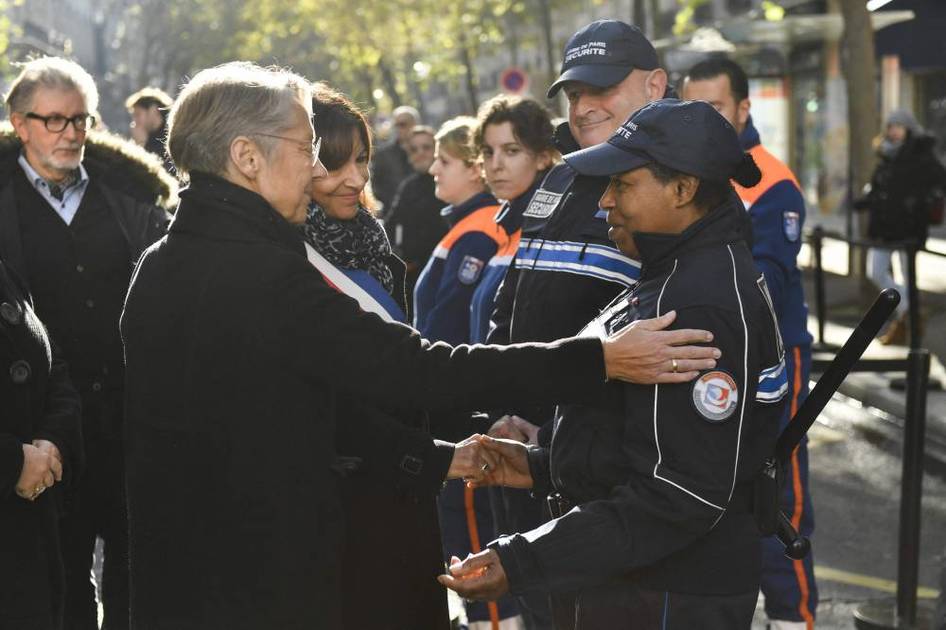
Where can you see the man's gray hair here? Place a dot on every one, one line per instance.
(234, 99)
(53, 73)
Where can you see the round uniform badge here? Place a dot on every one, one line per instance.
(715, 396)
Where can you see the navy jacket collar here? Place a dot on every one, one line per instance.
(749, 136)
(455, 214)
(564, 140)
(725, 224)
(510, 215)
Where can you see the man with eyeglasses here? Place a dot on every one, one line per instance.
(77, 209)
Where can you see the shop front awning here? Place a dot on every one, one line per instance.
(919, 43)
(790, 30)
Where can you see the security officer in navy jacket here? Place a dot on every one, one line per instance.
(566, 269)
(652, 484)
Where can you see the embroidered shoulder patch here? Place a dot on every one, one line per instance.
(791, 225)
(715, 396)
(470, 269)
(542, 204)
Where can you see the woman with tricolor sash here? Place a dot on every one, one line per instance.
(389, 481)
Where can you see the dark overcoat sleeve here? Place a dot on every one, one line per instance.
(61, 420)
(391, 365)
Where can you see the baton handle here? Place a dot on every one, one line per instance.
(796, 545)
(837, 371)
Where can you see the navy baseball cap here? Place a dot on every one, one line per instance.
(687, 136)
(603, 53)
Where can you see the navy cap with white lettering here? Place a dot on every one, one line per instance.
(603, 54)
(687, 136)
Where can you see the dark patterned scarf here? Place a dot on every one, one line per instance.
(358, 243)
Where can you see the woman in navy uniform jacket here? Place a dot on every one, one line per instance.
(652, 485)
(40, 450)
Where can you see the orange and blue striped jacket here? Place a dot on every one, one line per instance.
(446, 285)
(777, 210)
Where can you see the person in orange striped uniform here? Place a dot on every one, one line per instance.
(777, 210)
(442, 300)
(514, 139)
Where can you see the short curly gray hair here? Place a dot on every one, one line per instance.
(50, 73)
(234, 99)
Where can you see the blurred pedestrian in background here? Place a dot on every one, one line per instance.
(905, 186)
(414, 224)
(149, 111)
(390, 164)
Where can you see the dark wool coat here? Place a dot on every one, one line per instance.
(235, 348)
(901, 191)
(389, 489)
(37, 401)
(413, 222)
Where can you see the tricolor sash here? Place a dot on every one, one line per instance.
(358, 285)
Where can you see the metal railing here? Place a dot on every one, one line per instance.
(903, 611)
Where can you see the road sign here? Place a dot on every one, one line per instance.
(513, 81)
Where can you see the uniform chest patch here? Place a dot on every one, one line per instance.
(619, 322)
(470, 269)
(715, 396)
(542, 204)
(791, 225)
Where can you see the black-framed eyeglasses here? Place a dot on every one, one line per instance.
(312, 149)
(57, 123)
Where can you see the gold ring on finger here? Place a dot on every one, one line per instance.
(673, 365)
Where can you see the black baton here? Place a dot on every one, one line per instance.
(797, 546)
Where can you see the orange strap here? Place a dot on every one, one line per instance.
(475, 546)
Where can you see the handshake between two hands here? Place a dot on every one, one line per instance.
(493, 460)
(497, 459)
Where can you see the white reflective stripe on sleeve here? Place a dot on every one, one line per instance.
(745, 373)
(656, 435)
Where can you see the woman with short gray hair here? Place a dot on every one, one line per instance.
(235, 349)
(219, 104)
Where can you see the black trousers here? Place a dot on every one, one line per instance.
(97, 507)
(627, 607)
